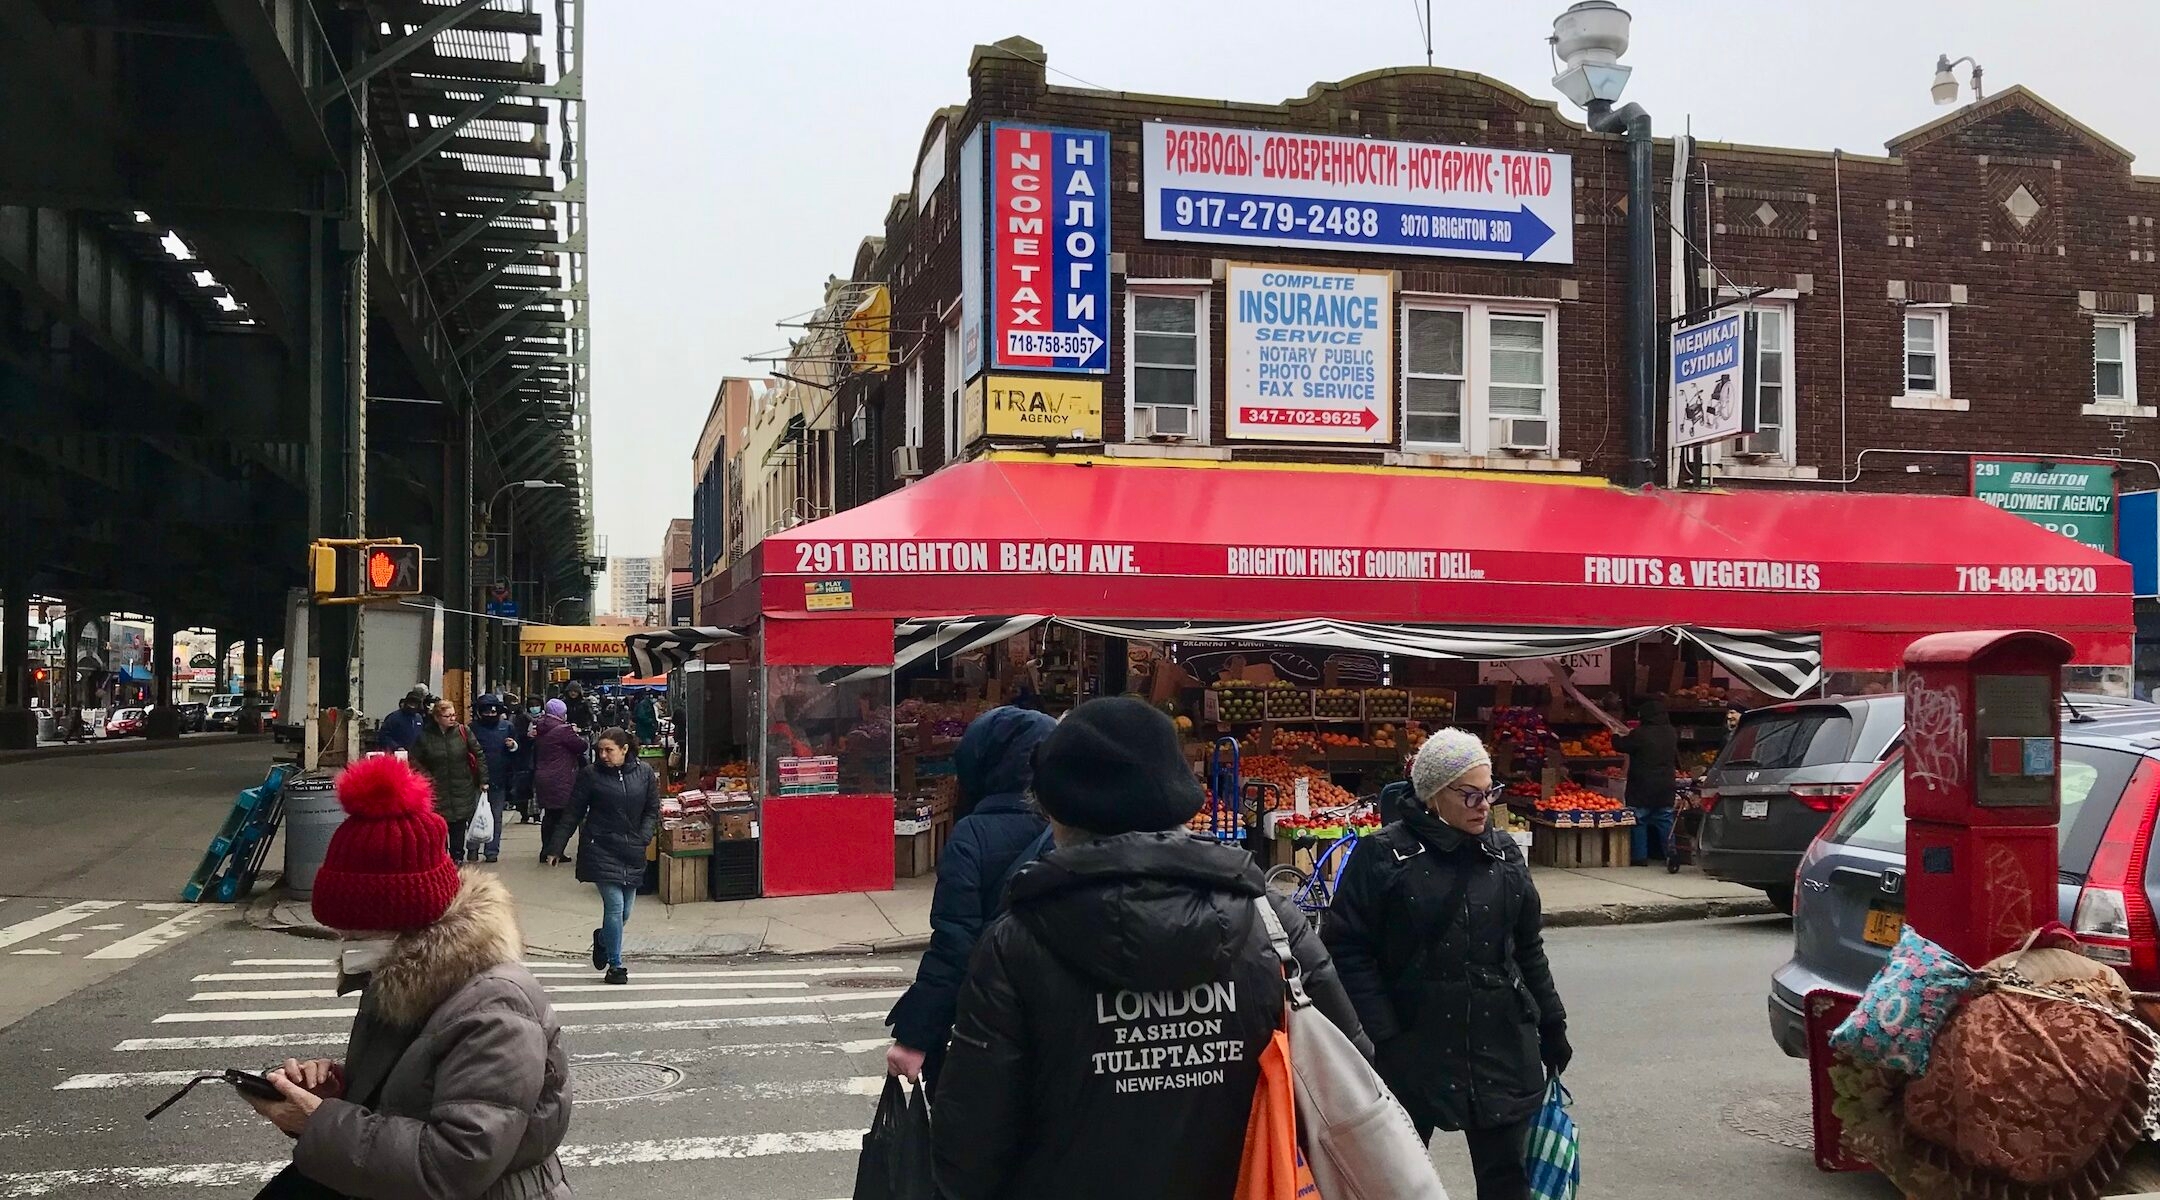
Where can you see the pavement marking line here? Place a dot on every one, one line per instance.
(54, 953)
(97, 1081)
(59, 918)
(336, 1037)
(161, 934)
(574, 971)
(91, 1180)
(67, 937)
(163, 906)
(309, 1014)
(284, 962)
(107, 928)
(79, 1083)
(331, 993)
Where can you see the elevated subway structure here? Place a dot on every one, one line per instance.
(275, 270)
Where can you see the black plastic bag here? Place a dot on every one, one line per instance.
(895, 1162)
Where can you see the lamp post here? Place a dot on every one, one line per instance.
(1944, 89)
(509, 542)
(1588, 40)
(556, 608)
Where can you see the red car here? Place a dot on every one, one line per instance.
(124, 722)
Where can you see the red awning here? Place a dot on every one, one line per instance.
(1093, 538)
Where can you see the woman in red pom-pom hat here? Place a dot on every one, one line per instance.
(455, 1080)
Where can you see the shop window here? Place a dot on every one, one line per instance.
(912, 426)
(1479, 379)
(1927, 352)
(2114, 362)
(1166, 357)
(953, 387)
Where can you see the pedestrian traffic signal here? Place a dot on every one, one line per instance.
(392, 570)
(39, 674)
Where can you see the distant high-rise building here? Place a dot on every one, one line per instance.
(632, 583)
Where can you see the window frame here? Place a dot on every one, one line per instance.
(1200, 292)
(1480, 312)
(1939, 315)
(2127, 328)
(954, 386)
(911, 427)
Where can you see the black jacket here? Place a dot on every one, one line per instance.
(1109, 1033)
(1653, 750)
(1455, 1010)
(995, 763)
(619, 809)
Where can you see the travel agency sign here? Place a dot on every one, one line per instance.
(1256, 187)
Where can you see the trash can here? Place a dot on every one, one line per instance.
(312, 814)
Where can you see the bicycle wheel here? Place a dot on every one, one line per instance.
(1287, 881)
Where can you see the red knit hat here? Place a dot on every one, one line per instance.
(388, 867)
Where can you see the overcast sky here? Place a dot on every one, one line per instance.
(741, 149)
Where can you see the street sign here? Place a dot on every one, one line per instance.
(1050, 249)
(1257, 187)
(1709, 390)
(1308, 355)
(2076, 500)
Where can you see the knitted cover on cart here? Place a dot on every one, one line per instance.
(2030, 1096)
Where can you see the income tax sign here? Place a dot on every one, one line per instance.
(1258, 187)
(1049, 233)
(1308, 354)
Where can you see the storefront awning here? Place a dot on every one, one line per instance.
(655, 652)
(1245, 542)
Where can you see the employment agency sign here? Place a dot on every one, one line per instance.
(1049, 234)
(1307, 350)
(2076, 500)
(1256, 187)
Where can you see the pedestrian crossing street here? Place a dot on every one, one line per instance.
(96, 930)
(780, 1066)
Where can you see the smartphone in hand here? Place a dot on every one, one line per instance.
(247, 1082)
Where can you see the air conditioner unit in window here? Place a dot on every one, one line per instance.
(907, 462)
(1757, 446)
(1163, 422)
(1522, 435)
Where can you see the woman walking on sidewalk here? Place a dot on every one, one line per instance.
(451, 758)
(617, 802)
(1437, 932)
(558, 755)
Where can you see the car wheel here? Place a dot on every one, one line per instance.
(1781, 897)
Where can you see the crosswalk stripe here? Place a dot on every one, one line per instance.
(23, 931)
(160, 934)
(234, 1174)
(103, 1080)
(331, 993)
(284, 962)
(309, 1014)
(570, 970)
(336, 1037)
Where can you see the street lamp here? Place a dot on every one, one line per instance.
(556, 608)
(1588, 40)
(504, 567)
(1944, 89)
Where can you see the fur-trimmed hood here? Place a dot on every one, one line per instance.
(424, 967)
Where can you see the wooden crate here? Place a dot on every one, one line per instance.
(1556, 846)
(683, 877)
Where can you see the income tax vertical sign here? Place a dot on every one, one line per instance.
(1050, 249)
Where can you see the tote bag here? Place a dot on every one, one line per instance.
(1273, 1167)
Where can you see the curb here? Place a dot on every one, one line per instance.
(130, 746)
(1658, 912)
(262, 914)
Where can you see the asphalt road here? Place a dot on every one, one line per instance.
(779, 1071)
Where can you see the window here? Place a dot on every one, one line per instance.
(912, 426)
(953, 387)
(1927, 352)
(1167, 361)
(1478, 379)
(2114, 361)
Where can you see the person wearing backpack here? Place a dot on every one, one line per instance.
(451, 758)
(1107, 1038)
(1438, 935)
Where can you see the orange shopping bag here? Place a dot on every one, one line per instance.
(1274, 1167)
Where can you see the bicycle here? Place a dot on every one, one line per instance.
(1314, 891)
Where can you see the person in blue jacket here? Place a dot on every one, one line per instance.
(997, 825)
(401, 729)
(498, 741)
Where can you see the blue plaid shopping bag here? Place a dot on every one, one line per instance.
(1553, 1159)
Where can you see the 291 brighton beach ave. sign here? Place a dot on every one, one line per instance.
(1049, 233)
(1308, 355)
(1257, 187)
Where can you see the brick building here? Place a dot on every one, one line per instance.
(1983, 287)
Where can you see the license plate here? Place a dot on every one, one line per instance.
(1755, 810)
(1883, 927)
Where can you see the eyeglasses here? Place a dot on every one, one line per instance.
(1475, 797)
(248, 1082)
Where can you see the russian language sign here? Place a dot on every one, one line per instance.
(2076, 500)
(1308, 355)
(1050, 249)
(1707, 381)
(1256, 187)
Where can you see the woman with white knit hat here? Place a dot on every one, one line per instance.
(1438, 935)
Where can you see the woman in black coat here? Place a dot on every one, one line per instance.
(1438, 935)
(617, 803)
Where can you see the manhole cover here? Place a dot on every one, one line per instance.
(1781, 1120)
(867, 981)
(620, 1080)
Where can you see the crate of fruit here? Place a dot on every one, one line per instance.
(1387, 704)
(1432, 704)
(1337, 704)
(1236, 702)
(1288, 704)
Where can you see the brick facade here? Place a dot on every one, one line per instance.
(2019, 222)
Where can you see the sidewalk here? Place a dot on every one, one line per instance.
(559, 913)
(126, 745)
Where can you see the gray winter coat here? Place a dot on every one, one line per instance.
(457, 1082)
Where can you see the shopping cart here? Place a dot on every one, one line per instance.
(1687, 819)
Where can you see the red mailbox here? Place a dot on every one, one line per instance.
(1982, 723)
